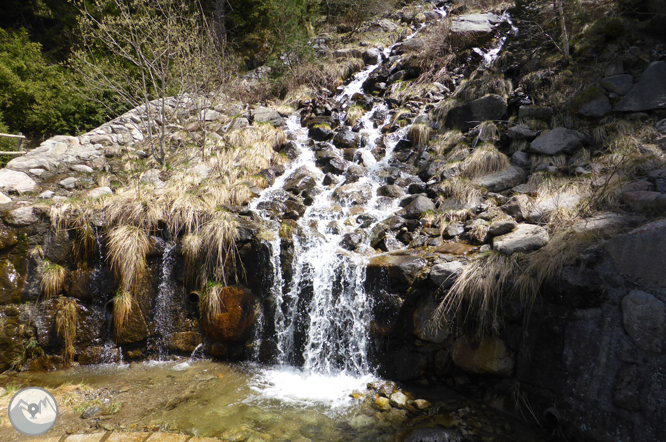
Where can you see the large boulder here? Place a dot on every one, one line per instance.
(618, 84)
(502, 180)
(266, 115)
(346, 139)
(239, 313)
(394, 270)
(648, 93)
(557, 141)
(525, 238)
(641, 253)
(23, 216)
(419, 207)
(301, 182)
(468, 115)
(424, 328)
(591, 103)
(12, 181)
(443, 274)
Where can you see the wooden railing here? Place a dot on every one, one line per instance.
(19, 141)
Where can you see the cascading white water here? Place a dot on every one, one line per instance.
(164, 304)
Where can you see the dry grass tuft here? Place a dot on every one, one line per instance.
(485, 159)
(188, 212)
(53, 280)
(446, 141)
(354, 113)
(122, 308)
(134, 207)
(476, 296)
(210, 304)
(219, 237)
(419, 134)
(128, 246)
(461, 190)
(488, 132)
(65, 322)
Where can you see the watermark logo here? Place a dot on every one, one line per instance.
(33, 411)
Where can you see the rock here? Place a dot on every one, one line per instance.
(81, 168)
(535, 112)
(608, 221)
(396, 270)
(422, 404)
(644, 201)
(476, 23)
(541, 210)
(353, 194)
(351, 240)
(557, 141)
(266, 115)
(135, 330)
(8, 237)
(99, 191)
(347, 53)
(517, 206)
(469, 115)
(391, 191)
(641, 253)
(521, 159)
(424, 328)
(398, 400)
(648, 93)
(46, 195)
(301, 182)
(184, 342)
(502, 227)
(386, 25)
(37, 172)
(408, 46)
(16, 182)
(4, 199)
(433, 435)
(627, 390)
(490, 356)
(502, 180)
(152, 176)
(381, 403)
(372, 56)
(346, 139)
(419, 207)
(23, 216)
(90, 412)
(658, 177)
(521, 132)
(319, 133)
(619, 84)
(443, 274)
(361, 422)
(525, 238)
(644, 319)
(69, 183)
(591, 103)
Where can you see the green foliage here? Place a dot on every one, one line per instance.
(37, 98)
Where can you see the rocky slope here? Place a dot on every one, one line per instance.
(528, 198)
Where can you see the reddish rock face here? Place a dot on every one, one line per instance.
(238, 314)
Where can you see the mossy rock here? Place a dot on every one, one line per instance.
(11, 283)
(605, 30)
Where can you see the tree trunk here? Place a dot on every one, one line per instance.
(220, 28)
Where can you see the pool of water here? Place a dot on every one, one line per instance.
(246, 402)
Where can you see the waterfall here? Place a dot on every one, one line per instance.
(165, 303)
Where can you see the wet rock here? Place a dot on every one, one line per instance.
(99, 191)
(99, 355)
(468, 115)
(627, 392)
(301, 182)
(644, 319)
(351, 194)
(475, 23)
(290, 150)
(422, 404)
(557, 141)
(361, 421)
(135, 330)
(398, 271)
(21, 217)
(320, 133)
(525, 238)
(648, 93)
(8, 237)
(391, 191)
(398, 400)
(372, 56)
(12, 181)
(381, 403)
(90, 412)
(346, 139)
(490, 356)
(184, 342)
(433, 435)
(424, 328)
(238, 315)
(502, 227)
(443, 274)
(639, 253)
(351, 240)
(619, 84)
(266, 115)
(10, 283)
(502, 180)
(419, 207)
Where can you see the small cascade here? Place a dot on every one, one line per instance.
(102, 318)
(165, 303)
